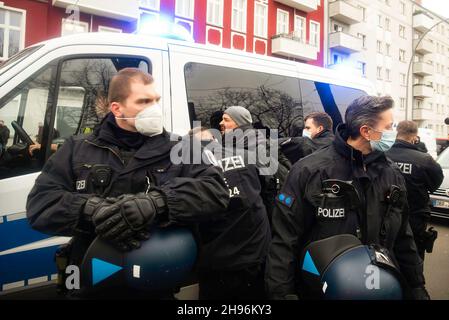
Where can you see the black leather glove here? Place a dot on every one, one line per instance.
(420, 293)
(126, 219)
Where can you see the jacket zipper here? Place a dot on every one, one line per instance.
(107, 148)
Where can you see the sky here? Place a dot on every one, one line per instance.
(438, 6)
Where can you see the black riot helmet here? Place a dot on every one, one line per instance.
(162, 263)
(341, 268)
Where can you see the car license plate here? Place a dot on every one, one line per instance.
(441, 204)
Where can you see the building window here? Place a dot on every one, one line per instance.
(12, 32)
(215, 12)
(185, 8)
(363, 37)
(402, 7)
(361, 66)
(260, 20)
(337, 58)
(239, 15)
(70, 26)
(379, 46)
(387, 2)
(363, 12)
(387, 49)
(282, 21)
(387, 24)
(300, 28)
(379, 73)
(401, 31)
(402, 103)
(379, 20)
(314, 35)
(337, 27)
(150, 4)
(109, 29)
(387, 74)
(403, 79)
(401, 55)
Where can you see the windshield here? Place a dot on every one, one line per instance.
(443, 159)
(17, 57)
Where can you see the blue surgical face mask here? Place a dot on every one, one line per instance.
(307, 134)
(385, 142)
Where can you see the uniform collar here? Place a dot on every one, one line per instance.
(147, 147)
(324, 134)
(404, 144)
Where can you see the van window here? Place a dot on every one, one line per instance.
(81, 103)
(329, 98)
(83, 90)
(26, 106)
(273, 100)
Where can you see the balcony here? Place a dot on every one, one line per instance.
(422, 22)
(303, 5)
(422, 69)
(422, 91)
(344, 42)
(345, 12)
(127, 10)
(424, 47)
(423, 114)
(290, 45)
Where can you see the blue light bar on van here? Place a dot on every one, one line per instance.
(163, 28)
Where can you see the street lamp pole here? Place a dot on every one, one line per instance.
(411, 62)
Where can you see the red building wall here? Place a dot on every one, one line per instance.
(43, 21)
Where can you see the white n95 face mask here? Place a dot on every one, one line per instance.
(306, 133)
(149, 121)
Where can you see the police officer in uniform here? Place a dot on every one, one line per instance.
(317, 134)
(234, 247)
(349, 187)
(120, 180)
(422, 175)
(238, 117)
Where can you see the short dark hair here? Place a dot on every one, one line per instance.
(320, 119)
(120, 86)
(365, 110)
(407, 129)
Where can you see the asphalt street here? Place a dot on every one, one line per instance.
(436, 264)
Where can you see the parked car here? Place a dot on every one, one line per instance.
(440, 198)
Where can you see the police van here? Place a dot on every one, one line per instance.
(54, 89)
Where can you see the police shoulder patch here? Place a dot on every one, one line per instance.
(285, 199)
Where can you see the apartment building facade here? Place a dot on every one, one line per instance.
(430, 70)
(377, 40)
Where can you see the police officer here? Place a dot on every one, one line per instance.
(422, 175)
(312, 207)
(237, 117)
(120, 180)
(317, 134)
(234, 247)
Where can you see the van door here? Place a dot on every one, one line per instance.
(60, 95)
